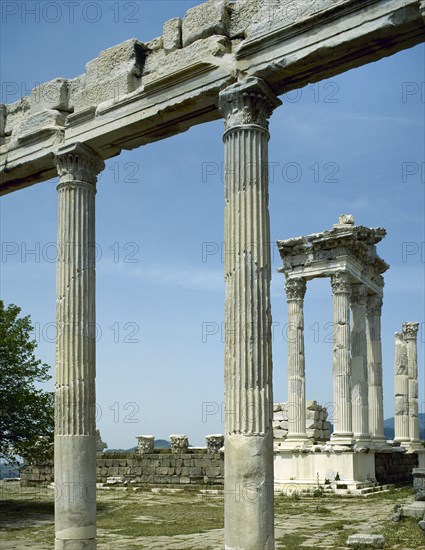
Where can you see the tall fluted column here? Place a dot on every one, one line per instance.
(374, 348)
(75, 434)
(249, 522)
(410, 334)
(343, 432)
(401, 390)
(359, 380)
(295, 292)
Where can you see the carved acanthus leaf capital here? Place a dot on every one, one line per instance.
(374, 304)
(247, 103)
(358, 294)
(410, 330)
(340, 282)
(77, 162)
(295, 289)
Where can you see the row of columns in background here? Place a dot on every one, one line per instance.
(249, 521)
(406, 419)
(357, 374)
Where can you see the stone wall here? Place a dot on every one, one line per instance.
(395, 467)
(318, 428)
(160, 466)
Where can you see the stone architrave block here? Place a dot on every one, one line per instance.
(207, 19)
(172, 34)
(50, 95)
(39, 121)
(179, 443)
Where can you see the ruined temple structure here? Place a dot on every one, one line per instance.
(347, 255)
(228, 59)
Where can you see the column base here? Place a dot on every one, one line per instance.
(403, 441)
(414, 446)
(341, 439)
(378, 442)
(74, 544)
(362, 440)
(296, 441)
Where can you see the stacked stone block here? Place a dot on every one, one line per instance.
(318, 428)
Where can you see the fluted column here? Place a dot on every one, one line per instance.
(410, 334)
(343, 432)
(295, 292)
(75, 434)
(374, 355)
(249, 522)
(359, 380)
(401, 390)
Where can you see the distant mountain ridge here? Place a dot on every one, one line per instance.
(159, 444)
(389, 427)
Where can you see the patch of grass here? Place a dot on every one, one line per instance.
(321, 510)
(336, 525)
(291, 541)
(191, 516)
(405, 532)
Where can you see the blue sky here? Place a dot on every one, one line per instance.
(353, 144)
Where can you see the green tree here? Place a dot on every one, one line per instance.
(26, 412)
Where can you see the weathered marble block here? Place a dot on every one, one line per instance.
(419, 483)
(115, 73)
(214, 442)
(172, 34)
(39, 121)
(50, 95)
(205, 20)
(145, 443)
(179, 443)
(363, 540)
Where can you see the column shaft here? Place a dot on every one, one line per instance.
(295, 291)
(359, 381)
(401, 390)
(343, 432)
(410, 333)
(249, 521)
(75, 399)
(374, 346)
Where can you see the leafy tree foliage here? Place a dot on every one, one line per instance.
(26, 412)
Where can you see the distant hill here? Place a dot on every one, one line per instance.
(159, 444)
(8, 471)
(389, 427)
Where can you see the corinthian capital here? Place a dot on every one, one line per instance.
(410, 330)
(340, 282)
(295, 289)
(247, 103)
(78, 163)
